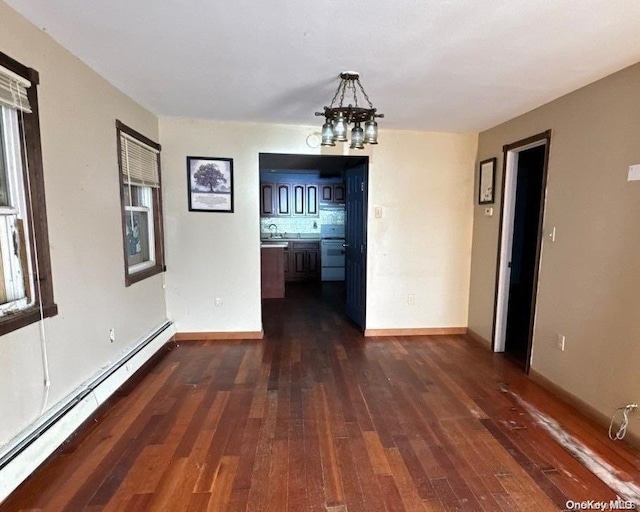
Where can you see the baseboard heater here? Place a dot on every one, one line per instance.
(72, 402)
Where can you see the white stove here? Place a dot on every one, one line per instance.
(332, 252)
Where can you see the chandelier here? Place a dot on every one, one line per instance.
(338, 116)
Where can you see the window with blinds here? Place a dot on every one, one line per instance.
(26, 291)
(16, 288)
(139, 160)
(13, 91)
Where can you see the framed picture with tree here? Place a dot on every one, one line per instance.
(210, 184)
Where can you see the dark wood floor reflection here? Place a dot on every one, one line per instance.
(317, 418)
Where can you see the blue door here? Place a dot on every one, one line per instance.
(356, 244)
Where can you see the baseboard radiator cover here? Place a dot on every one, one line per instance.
(38, 441)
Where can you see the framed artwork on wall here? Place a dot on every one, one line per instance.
(487, 181)
(210, 184)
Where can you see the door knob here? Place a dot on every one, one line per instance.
(345, 245)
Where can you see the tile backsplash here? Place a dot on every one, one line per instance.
(303, 224)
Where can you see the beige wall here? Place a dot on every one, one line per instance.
(590, 276)
(421, 245)
(78, 110)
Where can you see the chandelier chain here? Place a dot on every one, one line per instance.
(355, 94)
(340, 87)
(366, 96)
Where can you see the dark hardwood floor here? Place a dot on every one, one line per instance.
(317, 418)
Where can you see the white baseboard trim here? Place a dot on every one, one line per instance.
(39, 440)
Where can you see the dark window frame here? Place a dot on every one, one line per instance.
(29, 124)
(159, 267)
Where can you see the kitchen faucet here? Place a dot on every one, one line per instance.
(273, 229)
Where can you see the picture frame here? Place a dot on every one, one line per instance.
(487, 181)
(210, 184)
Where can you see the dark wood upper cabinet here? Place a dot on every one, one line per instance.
(312, 199)
(283, 199)
(298, 199)
(267, 200)
(327, 192)
(332, 193)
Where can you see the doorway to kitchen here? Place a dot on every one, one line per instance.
(313, 227)
(519, 252)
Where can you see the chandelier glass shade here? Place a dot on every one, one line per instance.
(339, 116)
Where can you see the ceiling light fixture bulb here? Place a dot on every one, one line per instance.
(340, 128)
(327, 134)
(371, 131)
(357, 137)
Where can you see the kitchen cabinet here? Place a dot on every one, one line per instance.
(289, 199)
(283, 200)
(339, 194)
(326, 193)
(305, 199)
(287, 263)
(272, 272)
(311, 202)
(298, 199)
(332, 193)
(305, 261)
(267, 199)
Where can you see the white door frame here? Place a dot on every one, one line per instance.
(506, 235)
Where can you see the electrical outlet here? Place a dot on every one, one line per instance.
(560, 339)
(411, 299)
(218, 302)
(112, 335)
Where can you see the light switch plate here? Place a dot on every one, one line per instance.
(377, 211)
(634, 173)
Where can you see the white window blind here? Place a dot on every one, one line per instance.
(139, 162)
(13, 91)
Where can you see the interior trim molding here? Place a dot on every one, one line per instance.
(580, 405)
(42, 438)
(471, 334)
(421, 331)
(225, 335)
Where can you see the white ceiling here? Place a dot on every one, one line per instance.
(445, 65)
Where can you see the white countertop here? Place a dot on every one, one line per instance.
(291, 237)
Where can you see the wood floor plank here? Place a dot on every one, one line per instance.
(404, 483)
(316, 418)
(334, 493)
(223, 483)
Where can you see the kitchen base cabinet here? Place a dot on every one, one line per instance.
(272, 272)
(304, 262)
(287, 264)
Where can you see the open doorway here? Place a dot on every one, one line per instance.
(524, 185)
(313, 227)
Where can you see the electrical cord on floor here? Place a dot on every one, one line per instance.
(622, 429)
